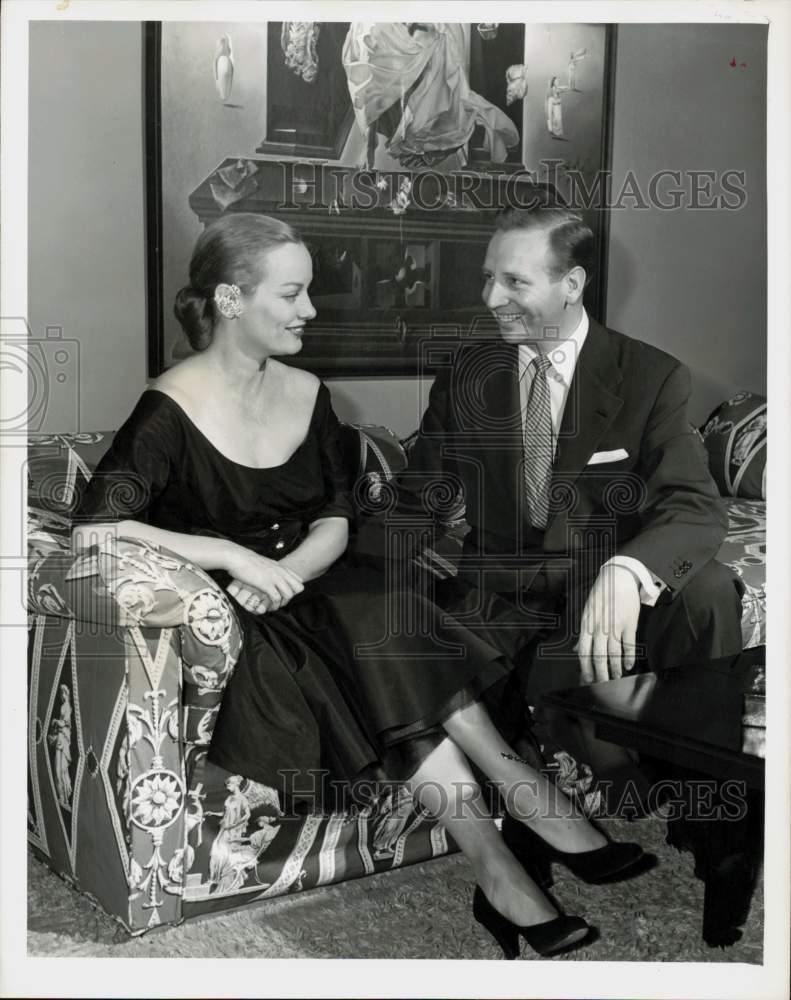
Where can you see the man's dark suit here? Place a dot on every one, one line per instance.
(658, 504)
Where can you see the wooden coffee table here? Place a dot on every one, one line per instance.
(687, 726)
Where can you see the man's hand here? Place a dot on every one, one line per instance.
(608, 629)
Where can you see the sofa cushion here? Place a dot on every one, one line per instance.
(735, 437)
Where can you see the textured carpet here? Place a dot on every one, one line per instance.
(421, 912)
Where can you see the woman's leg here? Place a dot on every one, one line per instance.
(529, 796)
(446, 787)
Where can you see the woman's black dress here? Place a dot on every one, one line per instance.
(352, 677)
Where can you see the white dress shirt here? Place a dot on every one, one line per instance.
(563, 357)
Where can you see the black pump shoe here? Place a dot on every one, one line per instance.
(549, 938)
(613, 862)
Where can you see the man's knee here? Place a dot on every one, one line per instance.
(714, 593)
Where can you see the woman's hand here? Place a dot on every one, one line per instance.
(250, 598)
(261, 584)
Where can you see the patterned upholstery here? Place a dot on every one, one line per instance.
(735, 437)
(744, 550)
(130, 647)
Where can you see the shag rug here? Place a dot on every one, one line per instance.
(420, 912)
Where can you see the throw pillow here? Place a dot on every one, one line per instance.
(735, 438)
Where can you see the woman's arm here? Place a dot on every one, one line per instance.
(278, 581)
(326, 542)
(208, 553)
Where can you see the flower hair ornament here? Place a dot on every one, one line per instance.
(228, 300)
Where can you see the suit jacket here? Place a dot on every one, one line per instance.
(658, 504)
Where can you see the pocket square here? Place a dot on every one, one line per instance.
(599, 457)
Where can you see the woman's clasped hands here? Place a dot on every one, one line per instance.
(260, 584)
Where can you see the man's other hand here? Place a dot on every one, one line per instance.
(608, 628)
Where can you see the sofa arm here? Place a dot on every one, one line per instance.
(143, 584)
(158, 588)
(127, 583)
(152, 641)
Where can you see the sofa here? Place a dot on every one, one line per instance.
(130, 647)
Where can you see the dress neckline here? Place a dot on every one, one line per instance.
(231, 461)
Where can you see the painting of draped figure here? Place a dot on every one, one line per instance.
(391, 94)
(410, 91)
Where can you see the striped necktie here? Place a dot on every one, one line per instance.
(538, 443)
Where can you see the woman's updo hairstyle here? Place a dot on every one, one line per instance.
(229, 251)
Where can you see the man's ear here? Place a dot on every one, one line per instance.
(575, 284)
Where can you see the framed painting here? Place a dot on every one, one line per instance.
(393, 186)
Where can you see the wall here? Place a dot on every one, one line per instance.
(691, 282)
(86, 266)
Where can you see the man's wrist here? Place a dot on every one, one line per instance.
(619, 568)
(650, 587)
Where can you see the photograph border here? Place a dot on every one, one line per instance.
(22, 975)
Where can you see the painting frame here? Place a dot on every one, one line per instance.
(385, 351)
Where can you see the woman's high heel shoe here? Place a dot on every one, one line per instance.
(613, 862)
(549, 938)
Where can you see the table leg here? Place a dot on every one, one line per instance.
(728, 854)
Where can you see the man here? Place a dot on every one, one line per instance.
(593, 519)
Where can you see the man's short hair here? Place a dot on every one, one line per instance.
(571, 240)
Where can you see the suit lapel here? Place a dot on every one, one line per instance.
(500, 392)
(592, 405)
(500, 432)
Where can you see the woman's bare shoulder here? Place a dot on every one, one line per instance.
(299, 386)
(184, 382)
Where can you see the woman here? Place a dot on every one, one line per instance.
(240, 465)
(226, 847)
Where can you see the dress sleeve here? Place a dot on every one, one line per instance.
(136, 468)
(338, 500)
